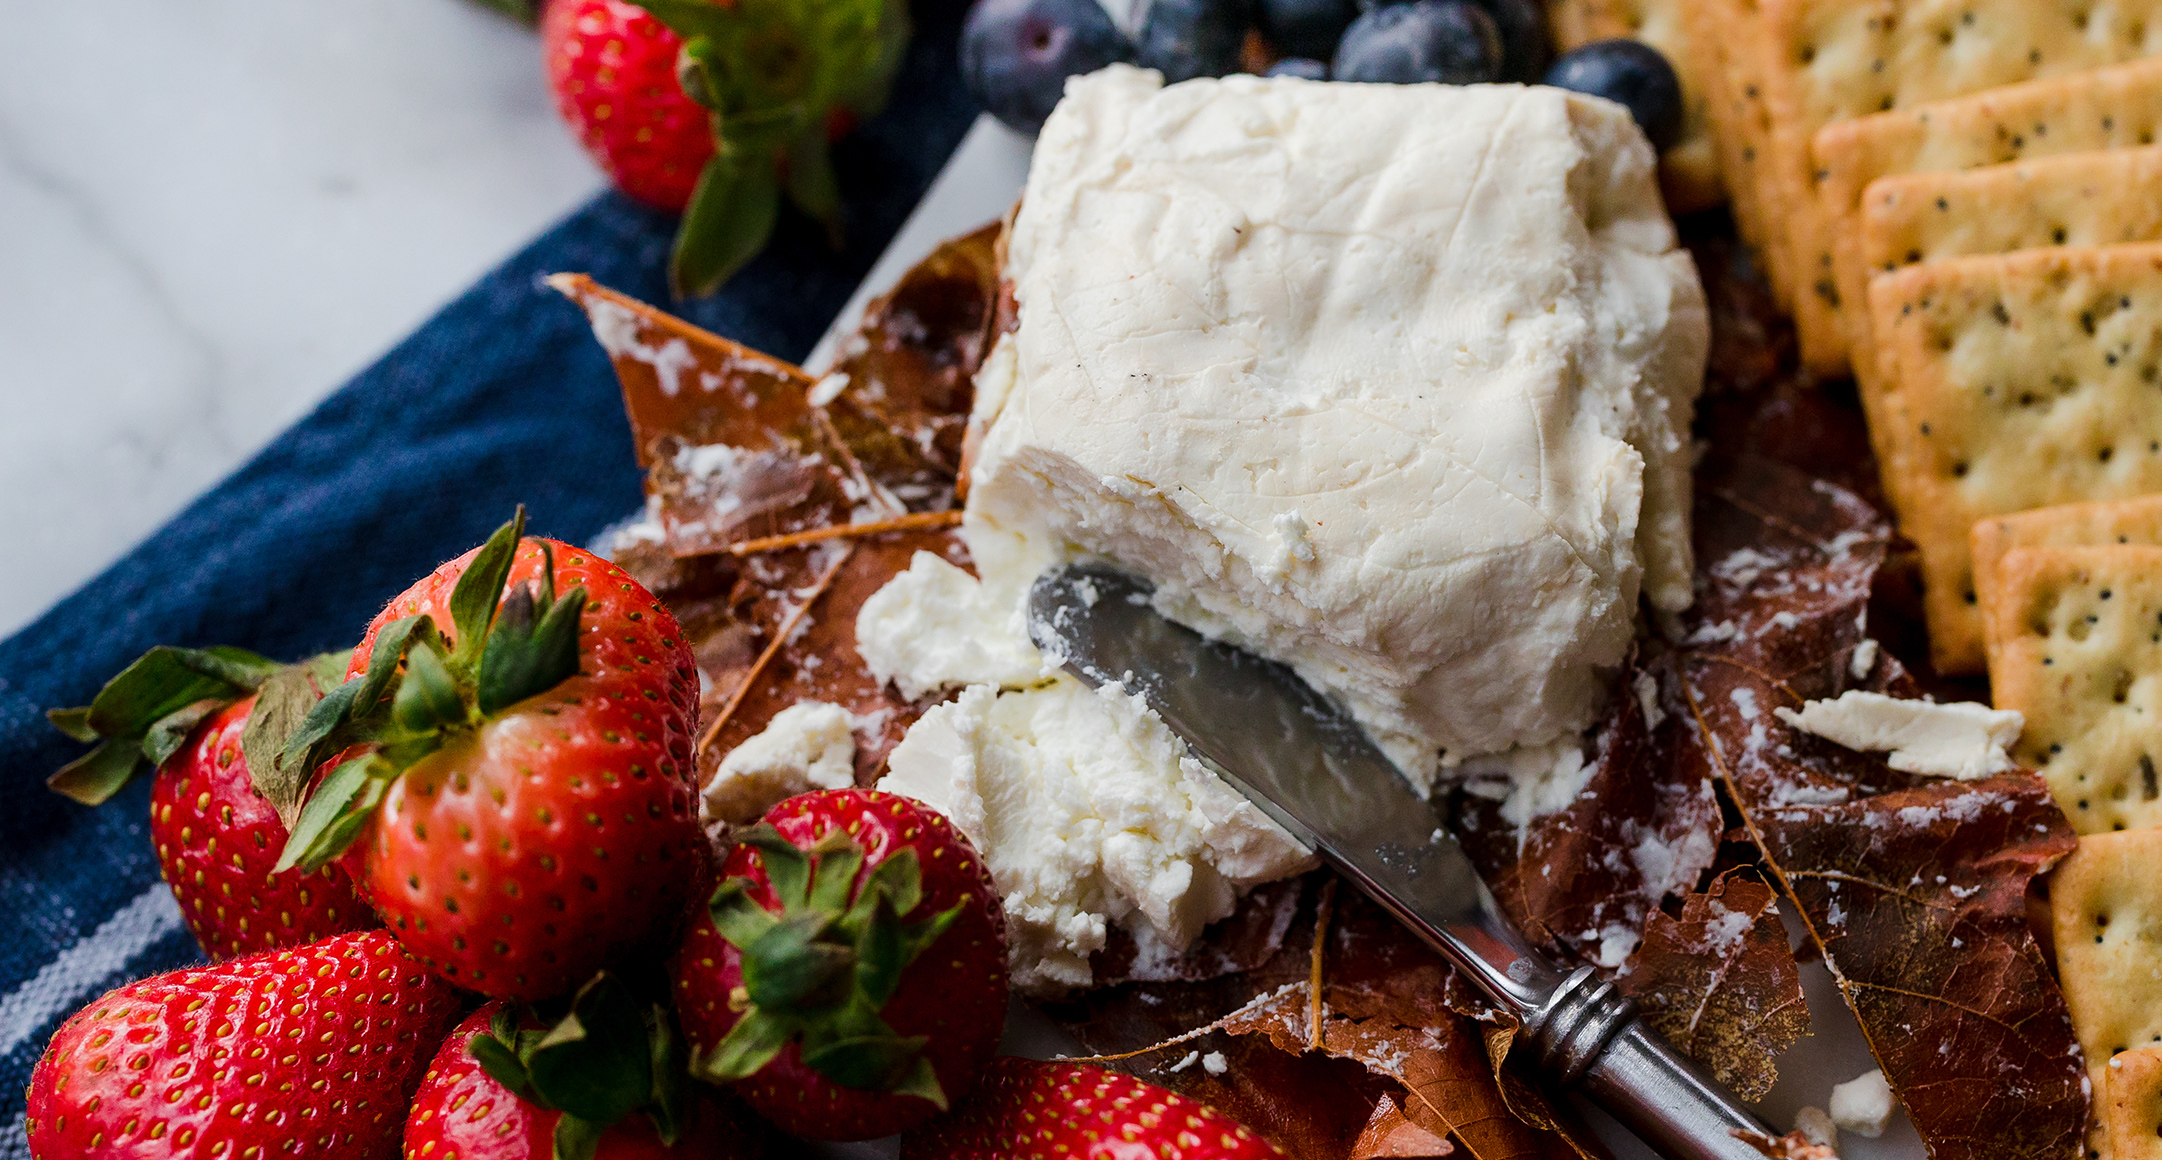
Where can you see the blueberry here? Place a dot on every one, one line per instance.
(1017, 54)
(1184, 39)
(1432, 40)
(1304, 67)
(1525, 50)
(1306, 27)
(1629, 72)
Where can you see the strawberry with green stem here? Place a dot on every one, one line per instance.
(515, 795)
(849, 978)
(777, 76)
(206, 719)
(601, 1080)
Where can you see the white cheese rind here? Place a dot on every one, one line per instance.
(809, 745)
(1960, 739)
(1088, 811)
(1388, 382)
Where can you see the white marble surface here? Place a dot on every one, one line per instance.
(211, 214)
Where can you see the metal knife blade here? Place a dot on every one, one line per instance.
(1307, 764)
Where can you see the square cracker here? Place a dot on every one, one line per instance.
(1688, 172)
(2125, 521)
(1734, 107)
(2113, 108)
(2077, 650)
(2007, 382)
(2131, 1108)
(2105, 905)
(1822, 61)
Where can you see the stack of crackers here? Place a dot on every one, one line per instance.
(1960, 202)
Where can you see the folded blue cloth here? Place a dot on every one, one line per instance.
(502, 398)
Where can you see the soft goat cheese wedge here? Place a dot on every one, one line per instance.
(1391, 383)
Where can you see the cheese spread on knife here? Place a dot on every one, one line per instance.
(1391, 383)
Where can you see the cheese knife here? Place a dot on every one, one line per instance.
(1308, 765)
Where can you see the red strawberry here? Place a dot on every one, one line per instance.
(217, 840)
(462, 1112)
(612, 67)
(189, 711)
(850, 975)
(722, 110)
(519, 796)
(301, 1052)
(1025, 1110)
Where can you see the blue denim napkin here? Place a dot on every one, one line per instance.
(501, 398)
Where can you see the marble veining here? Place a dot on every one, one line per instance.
(211, 214)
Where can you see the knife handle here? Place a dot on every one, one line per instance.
(1587, 1036)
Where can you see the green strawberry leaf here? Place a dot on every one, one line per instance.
(427, 699)
(391, 646)
(98, 774)
(921, 1081)
(791, 966)
(812, 187)
(282, 704)
(729, 218)
(665, 1107)
(501, 1062)
(750, 1045)
(577, 1138)
(834, 877)
(334, 814)
(533, 648)
(73, 722)
(872, 1062)
(596, 1063)
(480, 587)
(788, 868)
(740, 920)
(170, 732)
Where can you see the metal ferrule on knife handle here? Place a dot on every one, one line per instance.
(1305, 763)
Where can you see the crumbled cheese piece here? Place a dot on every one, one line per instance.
(1646, 688)
(810, 745)
(1864, 660)
(1533, 781)
(932, 627)
(1816, 1126)
(1088, 811)
(1391, 383)
(828, 389)
(1961, 739)
(1214, 1063)
(1863, 1105)
(1191, 1058)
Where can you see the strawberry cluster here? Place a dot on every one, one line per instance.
(492, 800)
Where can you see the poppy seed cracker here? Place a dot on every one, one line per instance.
(2008, 382)
(1817, 62)
(2125, 521)
(2107, 109)
(2078, 653)
(2105, 904)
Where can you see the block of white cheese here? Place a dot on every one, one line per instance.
(1088, 811)
(1959, 739)
(1391, 383)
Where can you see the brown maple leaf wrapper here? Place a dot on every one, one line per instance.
(1718, 981)
(746, 471)
(1914, 889)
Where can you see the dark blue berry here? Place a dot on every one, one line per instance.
(1432, 40)
(1629, 72)
(1303, 67)
(1525, 49)
(1184, 39)
(1306, 27)
(1017, 54)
